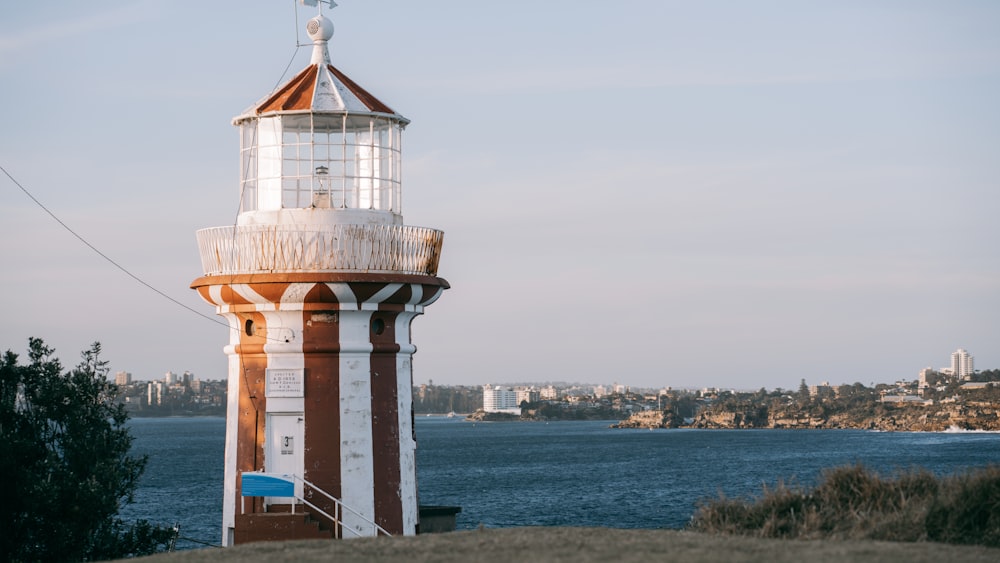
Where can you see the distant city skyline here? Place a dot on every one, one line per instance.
(714, 194)
(962, 366)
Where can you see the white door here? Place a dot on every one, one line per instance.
(283, 449)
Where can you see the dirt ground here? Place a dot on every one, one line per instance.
(579, 545)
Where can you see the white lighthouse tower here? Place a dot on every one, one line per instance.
(319, 280)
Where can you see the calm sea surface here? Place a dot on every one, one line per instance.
(506, 474)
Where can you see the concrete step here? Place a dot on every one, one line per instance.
(278, 526)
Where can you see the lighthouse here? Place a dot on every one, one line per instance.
(319, 280)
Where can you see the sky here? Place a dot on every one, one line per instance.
(656, 193)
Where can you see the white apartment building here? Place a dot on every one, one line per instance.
(500, 399)
(922, 379)
(962, 364)
(123, 378)
(528, 395)
(154, 393)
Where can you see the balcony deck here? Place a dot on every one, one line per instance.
(389, 249)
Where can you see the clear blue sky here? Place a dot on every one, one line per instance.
(713, 193)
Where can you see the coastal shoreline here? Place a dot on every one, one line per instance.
(905, 418)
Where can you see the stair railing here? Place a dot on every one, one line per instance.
(339, 506)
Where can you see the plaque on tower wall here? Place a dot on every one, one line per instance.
(284, 383)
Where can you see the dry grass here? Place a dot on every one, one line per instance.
(855, 503)
(582, 545)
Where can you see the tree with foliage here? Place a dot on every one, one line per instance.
(65, 467)
(803, 394)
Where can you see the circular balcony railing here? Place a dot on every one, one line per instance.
(255, 249)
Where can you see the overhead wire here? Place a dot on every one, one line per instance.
(113, 262)
(103, 255)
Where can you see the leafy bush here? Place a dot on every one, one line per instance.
(65, 464)
(853, 502)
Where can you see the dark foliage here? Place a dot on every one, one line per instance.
(971, 513)
(65, 467)
(853, 502)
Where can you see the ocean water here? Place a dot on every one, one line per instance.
(182, 484)
(506, 474)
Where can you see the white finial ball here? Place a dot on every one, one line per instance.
(320, 28)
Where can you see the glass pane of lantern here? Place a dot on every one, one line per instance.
(269, 164)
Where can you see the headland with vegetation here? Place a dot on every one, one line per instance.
(940, 404)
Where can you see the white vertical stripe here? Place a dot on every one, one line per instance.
(357, 471)
(284, 351)
(407, 446)
(416, 293)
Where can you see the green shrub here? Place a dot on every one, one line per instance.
(970, 513)
(852, 502)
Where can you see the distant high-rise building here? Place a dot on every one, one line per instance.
(123, 378)
(962, 364)
(499, 399)
(549, 393)
(527, 395)
(924, 373)
(154, 393)
(170, 378)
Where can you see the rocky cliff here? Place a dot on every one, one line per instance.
(934, 418)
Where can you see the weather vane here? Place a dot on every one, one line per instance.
(319, 3)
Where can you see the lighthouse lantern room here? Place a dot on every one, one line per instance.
(321, 142)
(319, 280)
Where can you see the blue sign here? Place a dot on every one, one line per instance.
(267, 485)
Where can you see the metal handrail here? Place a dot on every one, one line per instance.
(340, 508)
